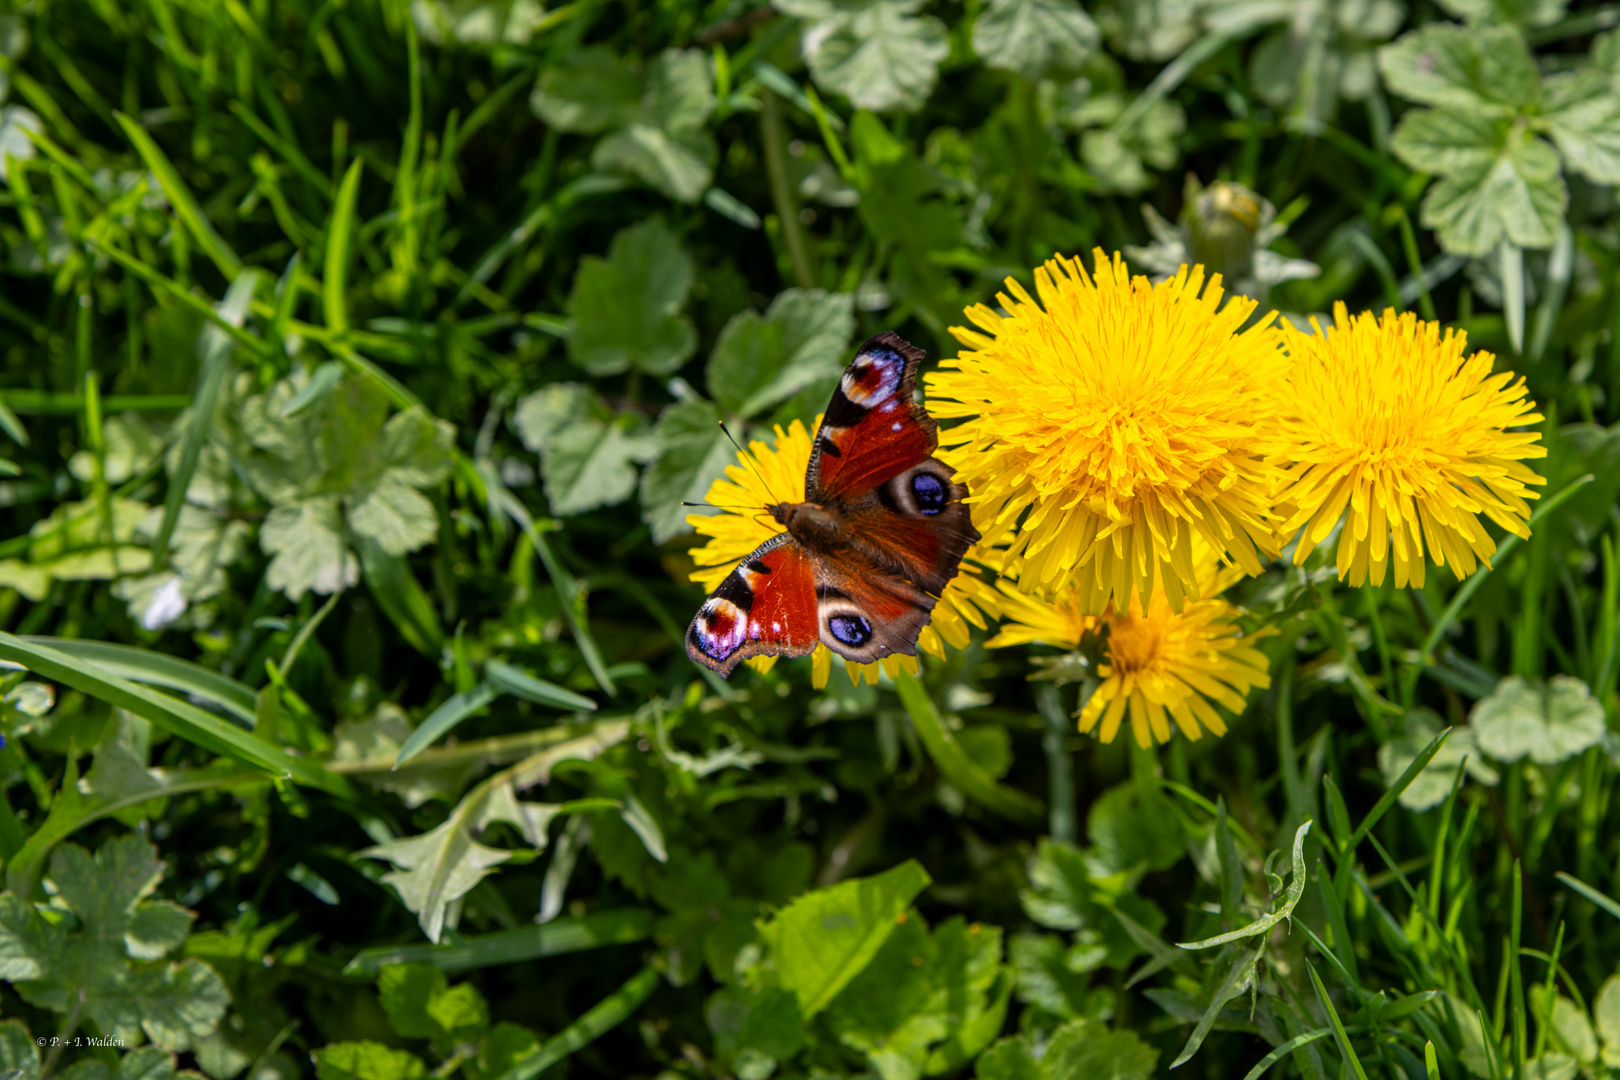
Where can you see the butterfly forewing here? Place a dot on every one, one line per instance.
(873, 429)
(767, 605)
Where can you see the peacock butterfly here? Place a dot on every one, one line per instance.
(882, 529)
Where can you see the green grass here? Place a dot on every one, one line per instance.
(374, 255)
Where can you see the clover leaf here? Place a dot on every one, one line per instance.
(1035, 38)
(1435, 782)
(655, 119)
(421, 1004)
(1486, 136)
(626, 308)
(1548, 723)
(876, 53)
(112, 966)
(588, 453)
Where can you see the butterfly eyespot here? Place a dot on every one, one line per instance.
(929, 491)
(850, 629)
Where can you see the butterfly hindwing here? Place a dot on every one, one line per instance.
(916, 525)
(873, 429)
(865, 612)
(767, 605)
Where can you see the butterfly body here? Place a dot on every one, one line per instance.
(864, 557)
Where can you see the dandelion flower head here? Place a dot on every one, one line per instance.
(1385, 420)
(1108, 423)
(771, 473)
(1158, 665)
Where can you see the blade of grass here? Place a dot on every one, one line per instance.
(175, 290)
(180, 197)
(1469, 587)
(295, 157)
(605, 1015)
(1263, 925)
(339, 238)
(1339, 1034)
(520, 683)
(1511, 266)
(953, 762)
(556, 938)
(1598, 898)
(1382, 806)
(157, 669)
(453, 711)
(1284, 1050)
(215, 366)
(172, 715)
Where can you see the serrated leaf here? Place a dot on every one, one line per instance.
(19, 1055)
(1550, 724)
(693, 454)
(1448, 139)
(307, 550)
(656, 120)
(626, 308)
(588, 455)
(1525, 13)
(1519, 197)
(92, 968)
(1059, 893)
(878, 54)
(1606, 1019)
(366, 1061)
(1487, 69)
(755, 1023)
(394, 514)
(1036, 38)
(761, 361)
(1581, 111)
(1435, 782)
(824, 939)
(1087, 1048)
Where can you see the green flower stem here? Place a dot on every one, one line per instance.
(773, 134)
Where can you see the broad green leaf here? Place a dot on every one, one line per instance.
(1522, 13)
(1447, 139)
(1060, 889)
(1053, 975)
(19, 1055)
(307, 550)
(1518, 196)
(1434, 783)
(668, 145)
(1086, 1048)
(1036, 38)
(754, 1025)
(588, 454)
(692, 454)
(1010, 1059)
(1487, 69)
(824, 939)
(366, 1061)
(1581, 111)
(1571, 1030)
(923, 1004)
(104, 966)
(504, 1046)
(878, 54)
(590, 90)
(421, 1004)
(1606, 1018)
(761, 361)
(1134, 829)
(1550, 723)
(626, 308)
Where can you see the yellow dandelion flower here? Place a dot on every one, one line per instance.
(1159, 664)
(770, 474)
(1109, 423)
(1386, 421)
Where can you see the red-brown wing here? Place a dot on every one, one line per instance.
(874, 429)
(866, 612)
(915, 525)
(767, 606)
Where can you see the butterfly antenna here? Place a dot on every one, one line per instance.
(746, 458)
